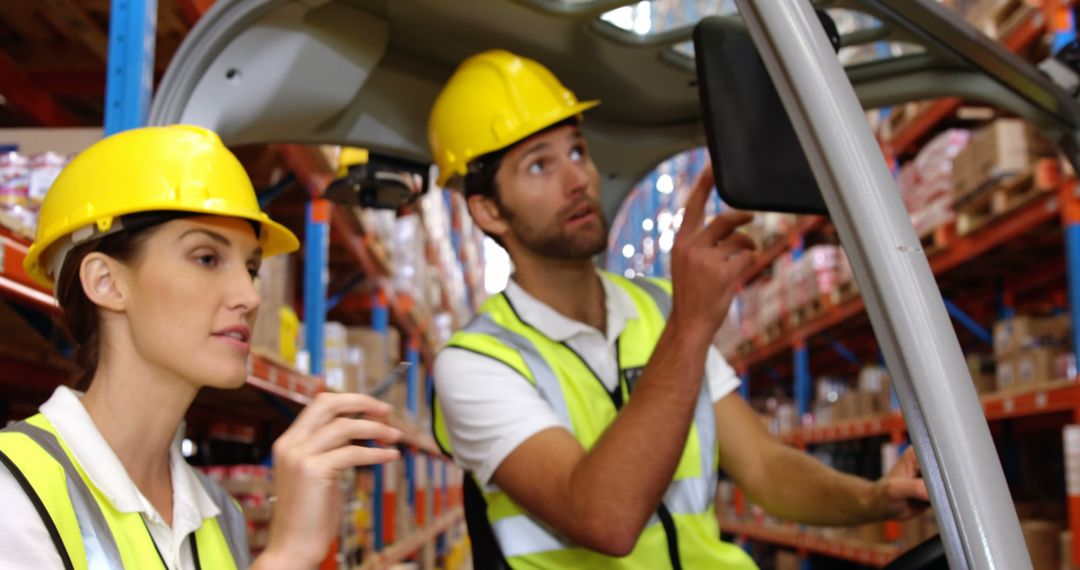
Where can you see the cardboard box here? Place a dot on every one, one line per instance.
(846, 407)
(1042, 542)
(982, 370)
(787, 560)
(1008, 147)
(381, 353)
(276, 285)
(1005, 375)
(1027, 331)
(1036, 366)
(1065, 550)
(965, 172)
(871, 533)
(911, 532)
(868, 404)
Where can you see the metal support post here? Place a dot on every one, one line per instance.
(316, 250)
(412, 386)
(803, 379)
(377, 507)
(380, 322)
(1070, 214)
(130, 80)
(978, 522)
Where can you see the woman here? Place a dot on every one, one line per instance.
(152, 238)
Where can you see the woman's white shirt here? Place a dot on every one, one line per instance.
(24, 541)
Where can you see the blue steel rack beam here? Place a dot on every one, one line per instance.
(130, 80)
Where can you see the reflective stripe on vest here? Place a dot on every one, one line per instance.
(101, 550)
(580, 401)
(222, 541)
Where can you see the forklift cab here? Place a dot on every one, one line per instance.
(758, 80)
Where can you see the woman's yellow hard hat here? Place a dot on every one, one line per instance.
(493, 100)
(179, 168)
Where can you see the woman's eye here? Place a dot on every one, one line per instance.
(577, 154)
(207, 260)
(253, 272)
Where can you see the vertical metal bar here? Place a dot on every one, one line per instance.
(1071, 220)
(316, 250)
(412, 405)
(412, 386)
(377, 508)
(803, 379)
(380, 322)
(978, 522)
(410, 480)
(130, 80)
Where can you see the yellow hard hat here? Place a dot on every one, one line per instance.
(175, 168)
(493, 100)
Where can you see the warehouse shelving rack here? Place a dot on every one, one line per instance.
(132, 31)
(1060, 399)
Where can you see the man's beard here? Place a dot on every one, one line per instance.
(556, 242)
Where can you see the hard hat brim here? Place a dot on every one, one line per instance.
(554, 118)
(274, 239)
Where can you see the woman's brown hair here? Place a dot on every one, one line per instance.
(81, 318)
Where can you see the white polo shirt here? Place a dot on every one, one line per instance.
(24, 542)
(489, 409)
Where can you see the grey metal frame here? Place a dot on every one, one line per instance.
(945, 420)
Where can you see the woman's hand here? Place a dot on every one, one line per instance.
(308, 460)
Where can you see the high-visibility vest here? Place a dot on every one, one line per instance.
(684, 532)
(89, 533)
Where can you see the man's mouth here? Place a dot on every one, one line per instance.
(581, 212)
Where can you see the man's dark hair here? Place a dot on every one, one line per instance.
(480, 174)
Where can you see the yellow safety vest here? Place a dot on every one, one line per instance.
(684, 532)
(89, 533)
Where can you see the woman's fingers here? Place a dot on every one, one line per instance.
(352, 456)
(326, 406)
(342, 431)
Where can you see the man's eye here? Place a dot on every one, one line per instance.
(536, 167)
(577, 154)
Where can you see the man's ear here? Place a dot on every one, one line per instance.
(487, 214)
(102, 282)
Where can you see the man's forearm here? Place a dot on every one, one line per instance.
(805, 490)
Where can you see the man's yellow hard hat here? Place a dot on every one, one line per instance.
(493, 100)
(179, 168)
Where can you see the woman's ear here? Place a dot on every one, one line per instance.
(100, 278)
(487, 214)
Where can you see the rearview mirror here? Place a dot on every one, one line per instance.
(758, 163)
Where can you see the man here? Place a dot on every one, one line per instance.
(591, 411)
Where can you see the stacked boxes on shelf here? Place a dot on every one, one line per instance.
(995, 18)
(276, 325)
(926, 183)
(999, 172)
(359, 359)
(1032, 350)
(24, 181)
(796, 292)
